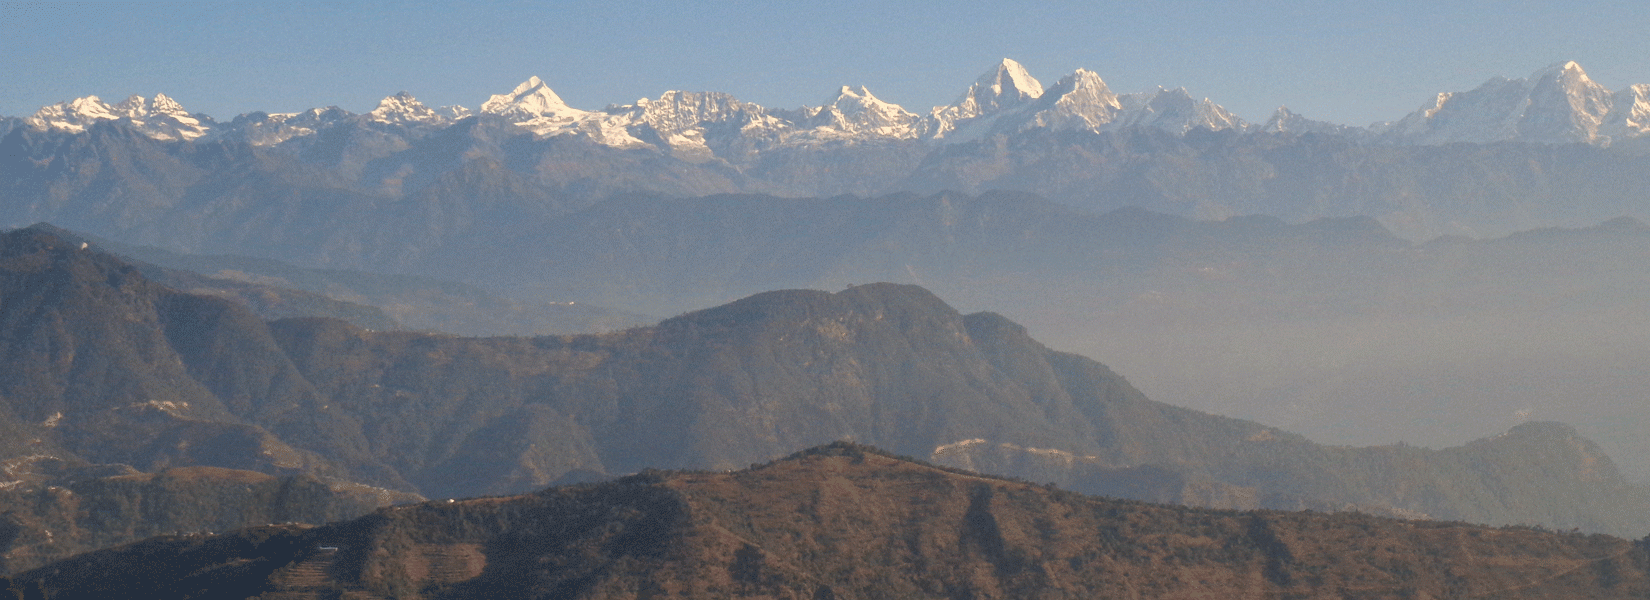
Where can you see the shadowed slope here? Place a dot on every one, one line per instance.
(845, 522)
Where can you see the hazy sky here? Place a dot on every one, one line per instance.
(1352, 63)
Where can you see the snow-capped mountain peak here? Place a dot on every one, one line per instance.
(1629, 114)
(855, 112)
(530, 99)
(165, 104)
(847, 96)
(535, 107)
(266, 129)
(161, 119)
(1006, 85)
(73, 115)
(1080, 100)
(1176, 111)
(133, 107)
(1557, 104)
(1566, 69)
(860, 101)
(404, 109)
(1284, 120)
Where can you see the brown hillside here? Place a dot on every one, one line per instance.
(110, 368)
(846, 521)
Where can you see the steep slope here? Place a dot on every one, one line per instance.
(120, 423)
(1333, 328)
(51, 509)
(161, 118)
(846, 521)
(117, 369)
(112, 368)
(893, 366)
(267, 301)
(278, 290)
(1556, 105)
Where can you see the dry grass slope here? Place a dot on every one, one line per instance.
(848, 522)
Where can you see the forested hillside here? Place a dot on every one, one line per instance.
(114, 369)
(843, 522)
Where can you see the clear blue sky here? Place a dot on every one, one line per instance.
(1352, 63)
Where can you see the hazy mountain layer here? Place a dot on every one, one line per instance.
(1334, 328)
(113, 368)
(389, 195)
(276, 290)
(848, 522)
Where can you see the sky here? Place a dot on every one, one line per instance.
(1349, 63)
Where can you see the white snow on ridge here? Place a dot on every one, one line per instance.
(1004, 87)
(529, 100)
(1558, 104)
(1555, 105)
(1082, 102)
(1079, 101)
(404, 109)
(535, 107)
(262, 129)
(1284, 120)
(1629, 114)
(162, 119)
(1175, 111)
(856, 114)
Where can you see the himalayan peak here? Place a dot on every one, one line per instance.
(530, 99)
(161, 119)
(855, 111)
(404, 109)
(1176, 111)
(1007, 85)
(1079, 101)
(1558, 104)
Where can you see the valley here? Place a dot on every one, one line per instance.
(686, 345)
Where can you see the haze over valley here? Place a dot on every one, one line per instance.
(212, 323)
(1345, 317)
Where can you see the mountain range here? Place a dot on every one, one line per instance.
(117, 377)
(1558, 104)
(1474, 270)
(327, 188)
(1333, 328)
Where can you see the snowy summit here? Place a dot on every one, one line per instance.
(1558, 104)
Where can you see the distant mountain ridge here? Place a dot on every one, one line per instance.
(328, 188)
(276, 290)
(1558, 104)
(112, 368)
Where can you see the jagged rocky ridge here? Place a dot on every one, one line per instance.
(847, 522)
(111, 368)
(1558, 104)
(332, 189)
